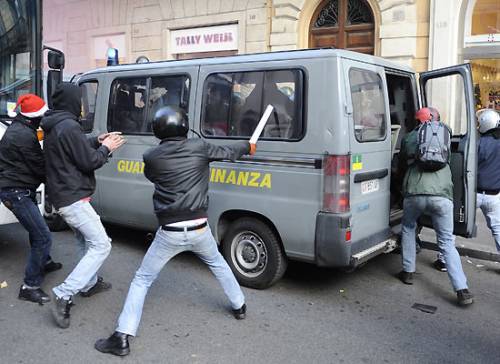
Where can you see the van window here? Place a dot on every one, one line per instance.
(89, 97)
(166, 91)
(233, 103)
(127, 106)
(368, 105)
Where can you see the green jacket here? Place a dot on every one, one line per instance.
(419, 182)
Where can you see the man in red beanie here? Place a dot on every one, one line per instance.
(22, 169)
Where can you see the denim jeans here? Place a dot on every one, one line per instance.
(94, 246)
(490, 206)
(22, 203)
(165, 246)
(440, 209)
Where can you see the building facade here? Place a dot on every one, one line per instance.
(424, 34)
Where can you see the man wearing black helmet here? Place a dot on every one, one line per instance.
(179, 169)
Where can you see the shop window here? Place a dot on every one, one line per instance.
(89, 97)
(486, 17)
(368, 105)
(234, 103)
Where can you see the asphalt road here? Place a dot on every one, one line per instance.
(311, 316)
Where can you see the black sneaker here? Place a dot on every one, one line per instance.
(440, 265)
(241, 312)
(100, 286)
(51, 267)
(33, 295)
(60, 311)
(464, 297)
(405, 277)
(116, 344)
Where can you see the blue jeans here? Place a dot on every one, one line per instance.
(22, 203)
(490, 206)
(94, 246)
(440, 209)
(165, 246)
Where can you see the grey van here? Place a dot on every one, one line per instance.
(322, 187)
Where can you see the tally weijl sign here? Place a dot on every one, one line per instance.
(206, 39)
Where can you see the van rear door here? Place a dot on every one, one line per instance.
(450, 91)
(366, 110)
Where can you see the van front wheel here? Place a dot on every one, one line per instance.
(254, 253)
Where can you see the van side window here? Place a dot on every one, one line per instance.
(127, 106)
(166, 91)
(89, 97)
(233, 103)
(368, 105)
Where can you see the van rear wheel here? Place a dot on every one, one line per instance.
(254, 253)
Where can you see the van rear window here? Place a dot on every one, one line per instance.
(368, 105)
(134, 101)
(233, 104)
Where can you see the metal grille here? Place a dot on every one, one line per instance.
(358, 12)
(329, 15)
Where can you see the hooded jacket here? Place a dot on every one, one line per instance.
(71, 157)
(21, 157)
(488, 171)
(179, 169)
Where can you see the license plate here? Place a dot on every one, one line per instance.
(370, 186)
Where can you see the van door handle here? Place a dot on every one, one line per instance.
(366, 176)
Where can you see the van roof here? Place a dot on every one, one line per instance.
(256, 57)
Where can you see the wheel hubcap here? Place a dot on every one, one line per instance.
(249, 253)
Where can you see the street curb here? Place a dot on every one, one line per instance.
(472, 253)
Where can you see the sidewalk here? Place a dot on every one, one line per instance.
(480, 247)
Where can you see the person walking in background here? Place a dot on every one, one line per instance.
(488, 171)
(71, 160)
(428, 189)
(179, 169)
(22, 170)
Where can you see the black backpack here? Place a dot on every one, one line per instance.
(433, 145)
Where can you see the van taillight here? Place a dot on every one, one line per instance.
(336, 172)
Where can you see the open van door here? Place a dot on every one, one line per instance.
(450, 91)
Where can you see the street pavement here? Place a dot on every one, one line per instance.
(312, 315)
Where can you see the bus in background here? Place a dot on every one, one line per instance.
(21, 65)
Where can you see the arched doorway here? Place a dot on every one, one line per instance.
(347, 24)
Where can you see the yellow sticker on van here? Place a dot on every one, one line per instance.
(241, 178)
(357, 164)
(133, 167)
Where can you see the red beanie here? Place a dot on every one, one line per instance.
(30, 106)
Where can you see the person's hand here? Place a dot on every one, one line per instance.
(253, 148)
(113, 142)
(101, 137)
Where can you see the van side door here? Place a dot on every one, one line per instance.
(368, 123)
(134, 98)
(450, 91)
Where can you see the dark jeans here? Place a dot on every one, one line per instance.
(22, 203)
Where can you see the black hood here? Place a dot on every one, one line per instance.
(495, 133)
(33, 123)
(68, 97)
(53, 117)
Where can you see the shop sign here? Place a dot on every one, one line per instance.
(206, 39)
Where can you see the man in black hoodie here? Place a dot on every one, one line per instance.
(22, 169)
(71, 159)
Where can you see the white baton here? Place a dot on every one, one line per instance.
(261, 125)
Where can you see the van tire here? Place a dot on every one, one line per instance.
(245, 239)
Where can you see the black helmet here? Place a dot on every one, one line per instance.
(170, 121)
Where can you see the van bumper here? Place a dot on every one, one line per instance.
(332, 250)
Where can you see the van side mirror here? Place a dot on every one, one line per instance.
(54, 78)
(56, 60)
